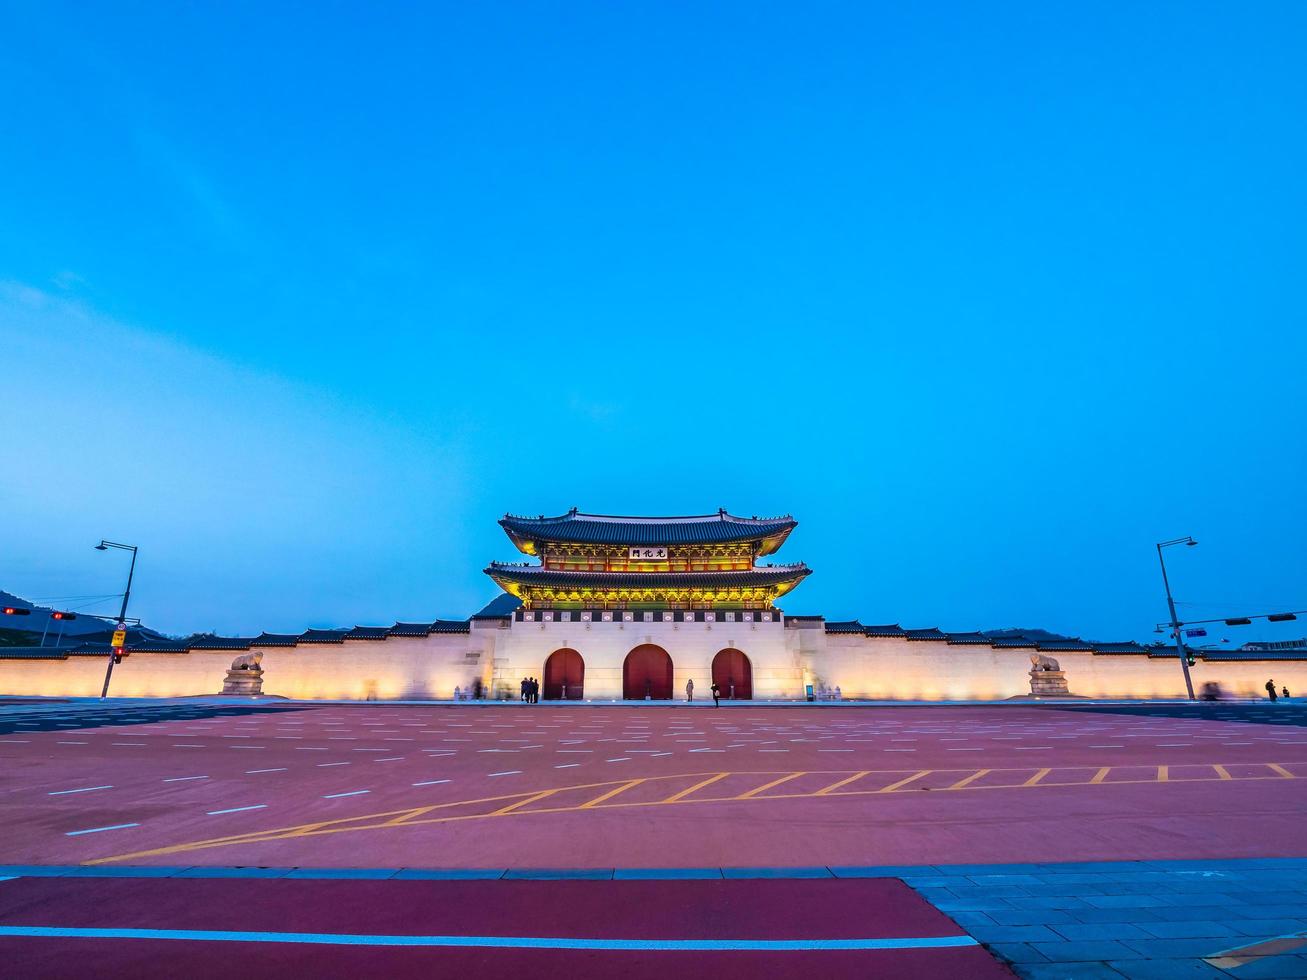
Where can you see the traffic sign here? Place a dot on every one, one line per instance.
(119, 638)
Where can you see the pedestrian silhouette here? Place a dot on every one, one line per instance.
(1284, 693)
(716, 695)
(1270, 689)
(689, 689)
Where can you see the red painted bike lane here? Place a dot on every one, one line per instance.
(349, 928)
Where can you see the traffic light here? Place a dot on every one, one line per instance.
(1239, 621)
(63, 615)
(117, 657)
(17, 611)
(1281, 617)
(1192, 661)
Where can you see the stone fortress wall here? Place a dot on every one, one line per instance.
(784, 657)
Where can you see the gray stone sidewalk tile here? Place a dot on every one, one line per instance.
(1268, 928)
(1049, 902)
(1161, 949)
(1117, 915)
(1029, 917)
(1189, 930)
(1013, 879)
(1126, 901)
(1086, 950)
(1013, 934)
(1188, 969)
(969, 904)
(1101, 930)
(969, 919)
(1068, 971)
(1198, 913)
(1017, 952)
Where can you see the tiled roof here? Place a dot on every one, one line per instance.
(33, 653)
(926, 634)
(451, 626)
(1013, 641)
(1242, 655)
(275, 640)
(967, 639)
(1066, 645)
(323, 636)
(759, 576)
(220, 642)
(577, 528)
(847, 626)
(891, 630)
(1120, 648)
(410, 629)
(368, 633)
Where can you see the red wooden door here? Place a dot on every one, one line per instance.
(732, 668)
(564, 676)
(647, 672)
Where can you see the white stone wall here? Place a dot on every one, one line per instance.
(783, 659)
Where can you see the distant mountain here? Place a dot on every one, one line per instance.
(80, 630)
(1039, 636)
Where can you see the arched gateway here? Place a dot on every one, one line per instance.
(733, 674)
(647, 672)
(564, 676)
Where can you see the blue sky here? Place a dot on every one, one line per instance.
(990, 297)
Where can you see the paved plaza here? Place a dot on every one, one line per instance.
(1050, 839)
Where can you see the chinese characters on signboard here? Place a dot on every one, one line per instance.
(648, 554)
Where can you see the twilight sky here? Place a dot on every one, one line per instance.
(991, 297)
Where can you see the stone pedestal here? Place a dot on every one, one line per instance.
(1049, 684)
(243, 683)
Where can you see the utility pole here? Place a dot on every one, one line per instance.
(1175, 620)
(116, 650)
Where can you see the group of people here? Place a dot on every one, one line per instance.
(1270, 690)
(716, 692)
(530, 690)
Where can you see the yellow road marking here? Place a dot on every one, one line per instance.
(513, 804)
(525, 801)
(609, 795)
(968, 780)
(903, 782)
(765, 786)
(697, 786)
(842, 782)
(1034, 780)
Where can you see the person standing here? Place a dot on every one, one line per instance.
(525, 684)
(1270, 689)
(716, 695)
(535, 691)
(1284, 692)
(689, 689)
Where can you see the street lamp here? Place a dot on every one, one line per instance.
(122, 613)
(1175, 620)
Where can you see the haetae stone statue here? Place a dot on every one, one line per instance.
(1047, 679)
(245, 676)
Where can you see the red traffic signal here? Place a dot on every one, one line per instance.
(63, 615)
(17, 611)
(1281, 617)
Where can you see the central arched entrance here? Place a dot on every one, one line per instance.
(733, 674)
(564, 676)
(647, 672)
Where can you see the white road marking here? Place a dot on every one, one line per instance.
(510, 772)
(96, 830)
(86, 789)
(250, 772)
(336, 796)
(238, 809)
(568, 765)
(324, 765)
(182, 779)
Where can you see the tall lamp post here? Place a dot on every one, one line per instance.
(122, 613)
(1175, 620)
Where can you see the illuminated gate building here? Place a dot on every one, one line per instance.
(637, 607)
